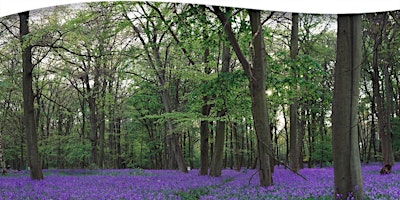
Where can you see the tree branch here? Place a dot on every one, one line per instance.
(9, 30)
(171, 32)
(138, 75)
(231, 36)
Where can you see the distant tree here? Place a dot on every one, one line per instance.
(346, 157)
(382, 88)
(153, 48)
(2, 161)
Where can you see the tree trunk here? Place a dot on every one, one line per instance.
(175, 148)
(225, 159)
(347, 166)
(204, 130)
(285, 127)
(118, 141)
(294, 136)
(102, 130)
(2, 161)
(28, 98)
(372, 131)
(259, 106)
(83, 125)
(301, 134)
(217, 159)
(92, 120)
(235, 150)
(59, 158)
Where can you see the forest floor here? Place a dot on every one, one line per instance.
(170, 184)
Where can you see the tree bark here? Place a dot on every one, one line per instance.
(294, 136)
(2, 161)
(204, 130)
(92, 120)
(28, 101)
(102, 124)
(236, 147)
(259, 106)
(217, 159)
(347, 166)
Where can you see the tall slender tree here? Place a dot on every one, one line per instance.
(2, 161)
(28, 100)
(256, 75)
(295, 142)
(383, 105)
(205, 111)
(216, 163)
(347, 166)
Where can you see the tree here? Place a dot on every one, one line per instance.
(2, 161)
(346, 157)
(383, 106)
(256, 77)
(205, 111)
(28, 100)
(295, 143)
(216, 162)
(153, 51)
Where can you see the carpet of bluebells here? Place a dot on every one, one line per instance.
(169, 184)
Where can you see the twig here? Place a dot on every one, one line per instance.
(252, 177)
(297, 173)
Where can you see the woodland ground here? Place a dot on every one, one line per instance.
(169, 184)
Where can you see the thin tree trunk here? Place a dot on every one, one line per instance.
(83, 125)
(302, 133)
(21, 154)
(28, 98)
(226, 143)
(389, 159)
(190, 150)
(285, 127)
(211, 143)
(248, 148)
(118, 142)
(204, 130)
(347, 167)
(102, 130)
(235, 150)
(2, 161)
(310, 141)
(217, 159)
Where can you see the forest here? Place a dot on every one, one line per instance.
(170, 86)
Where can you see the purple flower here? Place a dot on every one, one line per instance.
(171, 184)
